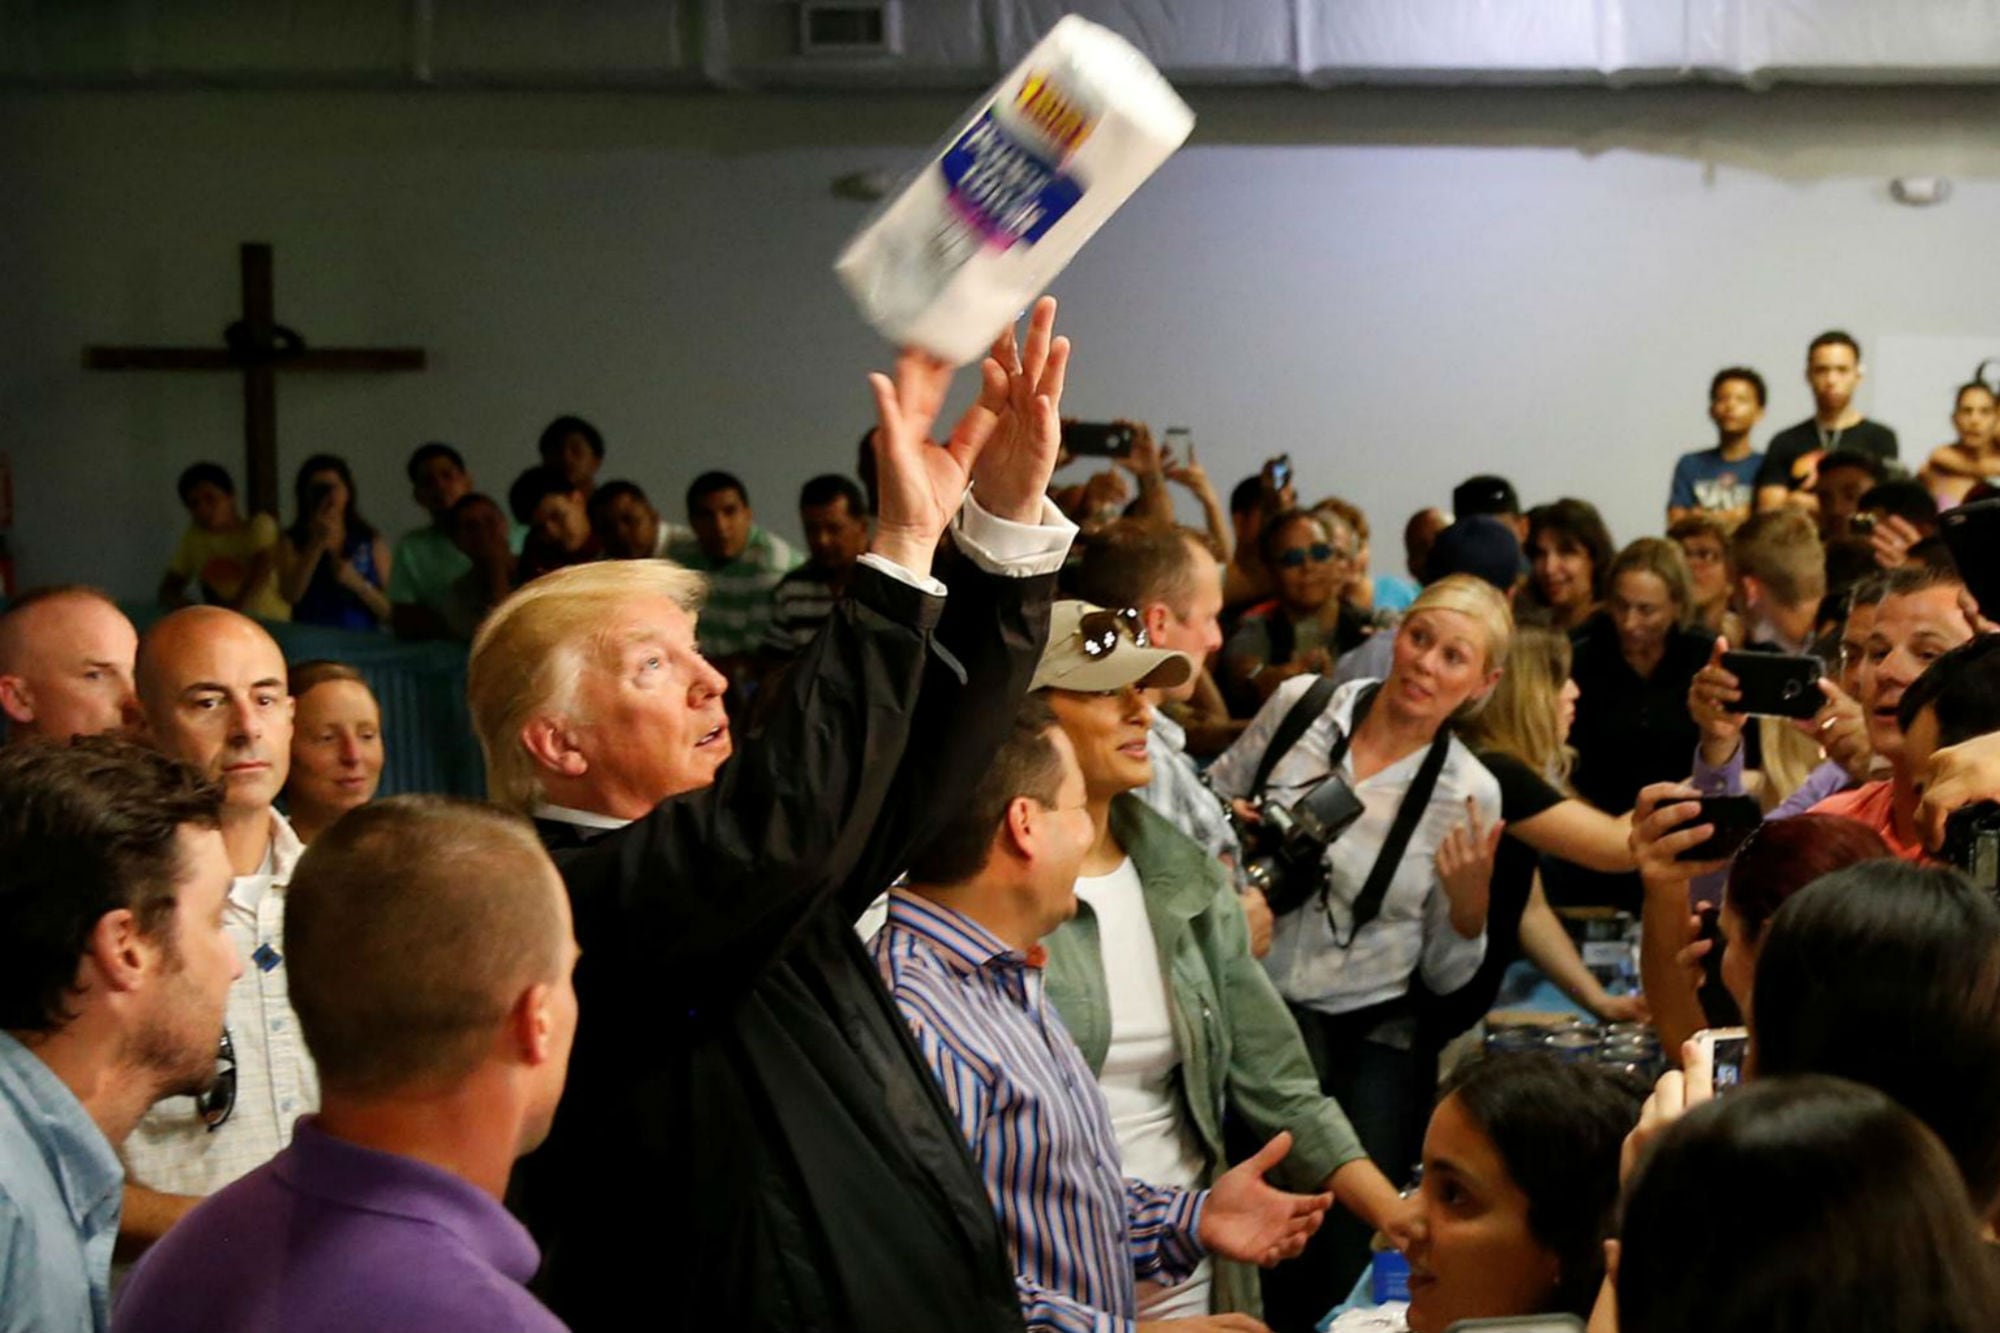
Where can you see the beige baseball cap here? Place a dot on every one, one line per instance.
(1092, 649)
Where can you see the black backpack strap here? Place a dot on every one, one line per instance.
(1292, 726)
(1368, 904)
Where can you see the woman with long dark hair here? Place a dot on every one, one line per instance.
(1797, 1204)
(333, 566)
(1569, 558)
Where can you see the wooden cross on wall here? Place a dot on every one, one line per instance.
(259, 347)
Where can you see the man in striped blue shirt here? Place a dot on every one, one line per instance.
(960, 953)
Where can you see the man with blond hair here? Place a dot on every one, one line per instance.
(1780, 578)
(66, 665)
(743, 1081)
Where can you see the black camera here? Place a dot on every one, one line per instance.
(1285, 847)
(1972, 843)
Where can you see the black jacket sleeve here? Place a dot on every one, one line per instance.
(830, 786)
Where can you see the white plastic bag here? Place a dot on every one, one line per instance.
(1030, 175)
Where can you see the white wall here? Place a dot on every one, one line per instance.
(1397, 287)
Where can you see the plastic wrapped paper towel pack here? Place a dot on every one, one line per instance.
(1013, 193)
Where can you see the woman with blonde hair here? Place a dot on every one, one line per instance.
(1522, 737)
(1397, 900)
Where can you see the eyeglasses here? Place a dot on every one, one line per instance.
(1319, 553)
(220, 1099)
(1099, 631)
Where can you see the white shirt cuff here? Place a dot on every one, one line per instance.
(921, 582)
(1014, 550)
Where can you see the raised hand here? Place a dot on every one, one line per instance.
(1658, 836)
(1248, 1219)
(1465, 868)
(1892, 539)
(1012, 476)
(922, 483)
(1712, 689)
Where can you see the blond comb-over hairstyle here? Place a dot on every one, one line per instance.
(531, 651)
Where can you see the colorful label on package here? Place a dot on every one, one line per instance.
(1002, 190)
(1061, 120)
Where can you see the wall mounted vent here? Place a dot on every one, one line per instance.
(849, 28)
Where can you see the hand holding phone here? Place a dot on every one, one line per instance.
(1775, 684)
(1098, 439)
(1678, 1092)
(1733, 819)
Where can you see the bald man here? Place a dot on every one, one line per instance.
(213, 693)
(66, 665)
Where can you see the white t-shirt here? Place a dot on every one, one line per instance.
(1142, 1066)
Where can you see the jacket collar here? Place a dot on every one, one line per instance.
(1180, 877)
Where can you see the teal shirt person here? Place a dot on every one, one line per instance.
(426, 562)
(61, 1188)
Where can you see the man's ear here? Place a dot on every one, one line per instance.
(16, 700)
(1154, 616)
(118, 955)
(530, 1027)
(1020, 828)
(551, 744)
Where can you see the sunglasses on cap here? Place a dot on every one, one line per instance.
(1319, 553)
(216, 1104)
(1099, 631)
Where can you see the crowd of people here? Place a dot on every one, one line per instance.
(1023, 911)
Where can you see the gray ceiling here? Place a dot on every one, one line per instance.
(755, 44)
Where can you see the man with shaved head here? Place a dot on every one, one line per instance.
(65, 665)
(212, 692)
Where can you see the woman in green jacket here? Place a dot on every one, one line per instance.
(1155, 981)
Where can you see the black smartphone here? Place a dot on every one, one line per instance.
(1776, 684)
(1097, 439)
(1972, 532)
(1735, 818)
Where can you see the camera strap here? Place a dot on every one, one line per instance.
(1293, 725)
(1367, 904)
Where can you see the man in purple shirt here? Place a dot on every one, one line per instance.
(431, 954)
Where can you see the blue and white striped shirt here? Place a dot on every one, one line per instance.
(1027, 1103)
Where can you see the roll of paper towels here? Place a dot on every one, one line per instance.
(1013, 193)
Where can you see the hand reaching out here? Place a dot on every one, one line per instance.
(1248, 1219)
